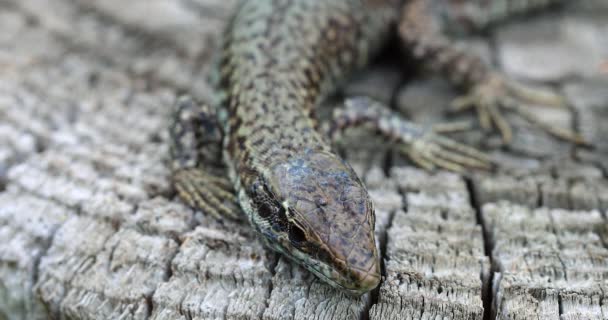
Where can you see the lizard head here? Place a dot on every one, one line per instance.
(314, 209)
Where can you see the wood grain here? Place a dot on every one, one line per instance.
(90, 228)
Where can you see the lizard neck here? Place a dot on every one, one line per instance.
(279, 59)
(270, 125)
(279, 62)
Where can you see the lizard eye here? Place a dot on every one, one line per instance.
(265, 210)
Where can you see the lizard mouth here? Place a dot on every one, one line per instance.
(360, 283)
(367, 283)
(352, 281)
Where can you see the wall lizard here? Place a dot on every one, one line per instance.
(279, 60)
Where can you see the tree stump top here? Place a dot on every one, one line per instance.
(90, 228)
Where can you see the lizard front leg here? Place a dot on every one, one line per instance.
(489, 92)
(198, 173)
(422, 145)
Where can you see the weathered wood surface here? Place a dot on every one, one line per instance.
(90, 229)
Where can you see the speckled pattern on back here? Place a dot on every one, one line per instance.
(303, 198)
(279, 59)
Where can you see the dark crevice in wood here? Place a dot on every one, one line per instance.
(272, 270)
(375, 294)
(540, 199)
(479, 220)
(150, 305)
(388, 162)
(486, 294)
(384, 243)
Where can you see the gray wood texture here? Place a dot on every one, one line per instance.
(90, 228)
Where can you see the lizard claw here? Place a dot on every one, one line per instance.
(491, 97)
(425, 146)
(432, 150)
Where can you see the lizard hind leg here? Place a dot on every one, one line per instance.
(198, 175)
(489, 92)
(422, 145)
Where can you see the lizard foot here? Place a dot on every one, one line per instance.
(430, 150)
(198, 174)
(210, 193)
(424, 146)
(490, 97)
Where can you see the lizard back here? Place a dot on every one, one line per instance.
(281, 57)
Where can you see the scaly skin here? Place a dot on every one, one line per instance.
(280, 58)
(304, 199)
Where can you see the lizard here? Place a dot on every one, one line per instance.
(257, 152)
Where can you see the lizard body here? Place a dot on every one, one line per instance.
(296, 191)
(279, 60)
